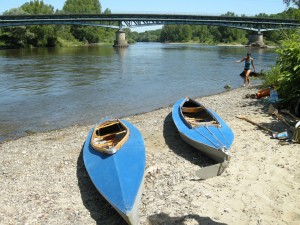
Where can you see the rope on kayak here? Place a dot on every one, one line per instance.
(222, 148)
(224, 137)
(206, 138)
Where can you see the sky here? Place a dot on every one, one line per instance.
(197, 7)
(201, 7)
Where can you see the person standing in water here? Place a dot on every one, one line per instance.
(247, 69)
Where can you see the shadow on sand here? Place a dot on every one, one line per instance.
(275, 125)
(164, 219)
(180, 147)
(101, 211)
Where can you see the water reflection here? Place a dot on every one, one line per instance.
(122, 54)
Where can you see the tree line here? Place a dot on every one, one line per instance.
(54, 35)
(213, 34)
(65, 35)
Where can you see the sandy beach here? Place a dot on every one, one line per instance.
(44, 181)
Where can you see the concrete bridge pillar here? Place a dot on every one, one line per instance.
(120, 41)
(256, 40)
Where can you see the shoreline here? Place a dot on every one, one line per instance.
(34, 132)
(187, 43)
(44, 180)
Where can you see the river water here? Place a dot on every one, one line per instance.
(46, 89)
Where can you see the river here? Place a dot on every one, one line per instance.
(51, 88)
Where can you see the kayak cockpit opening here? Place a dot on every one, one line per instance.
(109, 136)
(196, 114)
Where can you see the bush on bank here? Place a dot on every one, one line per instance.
(286, 74)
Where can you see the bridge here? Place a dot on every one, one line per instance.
(121, 21)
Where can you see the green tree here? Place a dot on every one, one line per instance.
(229, 14)
(37, 7)
(23, 36)
(176, 33)
(147, 36)
(216, 34)
(83, 33)
(289, 64)
(168, 33)
(107, 11)
(286, 74)
(202, 34)
(185, 33)
(276, 36)
(14, 36)
(229, 35)
(296, 2)
(82, 6)
(40, 35)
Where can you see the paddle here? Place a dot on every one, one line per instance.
(212, 171)
(250, 121)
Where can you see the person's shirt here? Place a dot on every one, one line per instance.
(248, 64)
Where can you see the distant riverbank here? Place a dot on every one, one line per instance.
(76, 44)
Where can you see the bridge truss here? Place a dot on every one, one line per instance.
(120, 21)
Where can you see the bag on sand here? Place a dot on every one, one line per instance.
(263, 93)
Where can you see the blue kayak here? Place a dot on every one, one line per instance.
(203, 129)
(117, 171)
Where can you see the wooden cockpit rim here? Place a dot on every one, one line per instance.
(110, 142)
